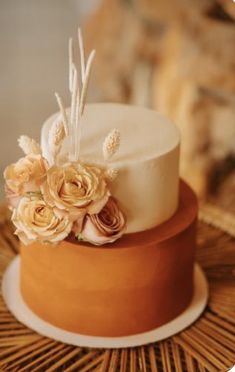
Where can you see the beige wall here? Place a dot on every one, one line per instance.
(33, 64)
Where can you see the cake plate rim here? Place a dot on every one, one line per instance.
(17, 306)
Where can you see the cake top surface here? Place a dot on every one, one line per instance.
(145, 134)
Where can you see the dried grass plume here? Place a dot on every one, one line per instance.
(29, 145)
(111, 144)
(56, 138)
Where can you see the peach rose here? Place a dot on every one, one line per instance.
(77, 189)
(26, 175)
(35, 220)
(105, 227)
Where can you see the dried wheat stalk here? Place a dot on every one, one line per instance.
(78, 86)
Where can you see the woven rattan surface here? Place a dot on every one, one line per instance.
(208, 345)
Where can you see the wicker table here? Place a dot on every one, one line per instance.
(208, 345)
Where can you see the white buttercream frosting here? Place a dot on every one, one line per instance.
(148, 159)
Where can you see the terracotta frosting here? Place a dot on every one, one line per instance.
(138, 283)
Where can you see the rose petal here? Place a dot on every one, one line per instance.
(77, 226)
(96, 206)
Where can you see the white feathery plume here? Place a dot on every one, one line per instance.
(78, 96)
(29, 146)
(56, 138)
(111, 144)
(78, 86)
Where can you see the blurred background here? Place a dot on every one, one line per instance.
(175, 56)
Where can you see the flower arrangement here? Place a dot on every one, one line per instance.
(51, 200)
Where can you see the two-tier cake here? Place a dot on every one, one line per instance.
(107, 228)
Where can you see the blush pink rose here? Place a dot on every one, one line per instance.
(105, 227)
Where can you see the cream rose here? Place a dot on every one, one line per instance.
(26, 175)
(77, 189)
(35, 220)
(104, 227)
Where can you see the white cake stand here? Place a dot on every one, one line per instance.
(15, 303)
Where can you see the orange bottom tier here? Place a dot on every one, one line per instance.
(134, 285)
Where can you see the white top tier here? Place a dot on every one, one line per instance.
(148, 159)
